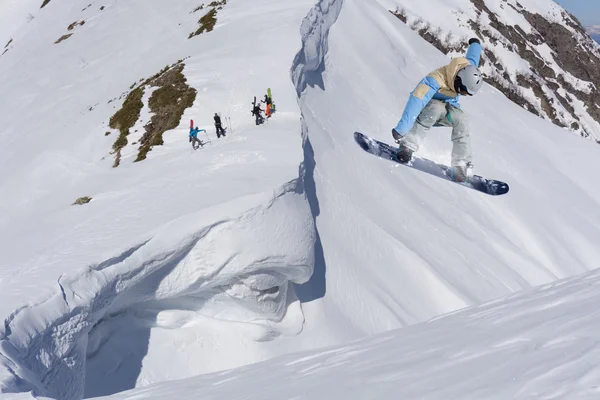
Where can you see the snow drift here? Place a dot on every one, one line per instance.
(182, 267)
(539, 343)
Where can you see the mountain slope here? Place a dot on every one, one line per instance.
(537, 344)
(536, 53)
(167, 274)
(162, 245)
(421, 246)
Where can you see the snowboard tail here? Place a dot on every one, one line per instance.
(383, 150)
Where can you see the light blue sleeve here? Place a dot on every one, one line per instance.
(415, 105)
(474, 54)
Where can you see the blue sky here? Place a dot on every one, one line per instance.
(586, 11)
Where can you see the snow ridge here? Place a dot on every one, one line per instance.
(307, 70)
(309, 63)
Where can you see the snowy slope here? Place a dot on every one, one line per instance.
(14, 15)
(184, 235)
(535, 52)
(182, 264)
(540, 344)
(421, 246)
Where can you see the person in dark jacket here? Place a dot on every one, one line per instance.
(220, 130)
(256, 111)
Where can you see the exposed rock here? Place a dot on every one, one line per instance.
(564, 62)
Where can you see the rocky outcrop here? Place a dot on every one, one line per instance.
(562, 77)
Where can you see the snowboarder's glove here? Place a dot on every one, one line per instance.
(474, 40)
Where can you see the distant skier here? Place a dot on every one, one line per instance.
(434, 102)
(257, 112)
(218, 126)
(194, 138)
(268, 104)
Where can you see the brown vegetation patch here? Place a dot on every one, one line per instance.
(129, 113)
(209, 20)
(400, 14)
(200, 7)
(82, 200)
(63, 37)
(75, 24)
(124, 119)
(167, 104)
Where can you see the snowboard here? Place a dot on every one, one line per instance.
(271, 98)
(385, 151)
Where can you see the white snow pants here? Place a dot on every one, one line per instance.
(439, 113)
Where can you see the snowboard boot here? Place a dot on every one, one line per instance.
(404, 154)
(459, 173)
(396, 136)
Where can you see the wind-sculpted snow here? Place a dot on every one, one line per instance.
(214, 263)
(538, 344)
(309, 63)
(307, 70)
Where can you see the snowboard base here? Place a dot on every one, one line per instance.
(383, 150)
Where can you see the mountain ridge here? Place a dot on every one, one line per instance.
(536, 53)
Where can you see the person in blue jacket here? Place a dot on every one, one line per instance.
(434, 102)
(194, 137)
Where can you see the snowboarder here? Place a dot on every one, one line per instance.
(256, 111)
(434, 102)
(194, 137)
(218, 126)
(268, 104)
